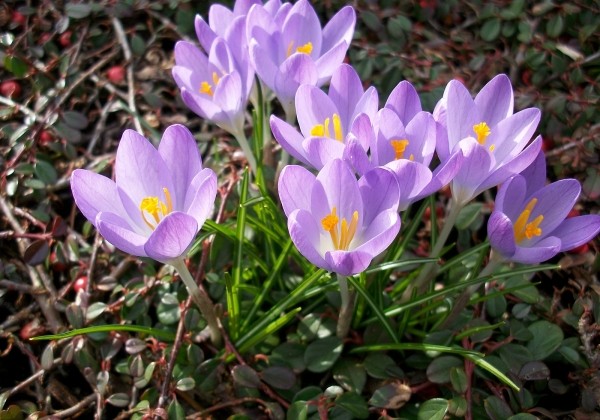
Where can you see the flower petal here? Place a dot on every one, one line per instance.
(357, 156)
(542, 251)
(94, 193)
(172, 237)
(412, 177)
(380, 233)
(298, 69)
(118, 232)
(345, 90)
(200, 105)
(229, 96)
(495, 100)
(379, 191)
(404, 101)
(512, 134)
(554, 203)
(295, 186)
(501, 234)
(421, 131)
(340, 28)
(205, 34)
(511, 197)
(476, 164)
(329, 61)
(200, 196)
(290, 139)
(535, 174)
(313, 106)
(577, 231)
(180, 153)
(305, 234)
(321, 150)
(460, 113)
(348, 263)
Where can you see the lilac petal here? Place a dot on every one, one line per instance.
(200, 105)
(229, 96)
(476, 164)
(185, 78)
(328, 62)
(357, 156)
(340, 28)
(512, 134)
(313, 106)
(389, 127)
(289, 139)
(515, 166)
(200, 196)
(302, 26)
(379, 191)
(188, 55)
(441, 144)
(368, 104)
(221, 57)
(139, 169)
(348, 263)
(345, 90)
(535, 174)
(577, 231)
(180, 153)
(172, 237)
(412, 177)
(460, 115)
(321, 150)
(380, 233)
(404, 101)
(305, 234)
(362, 130)
(118, 232)
(422, 130)
(543, 250)
(554, 203)
(205, 34)
(295, 186)
(242, 7)
(501, 234)
(94, 193)
(495, 100)
(279, 12)
(263, 62)
(336, 186)
(511, 196)
(443, 174)
(298, 69)
(220, 18)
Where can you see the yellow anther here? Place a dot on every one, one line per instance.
(411, 157)
(156, 208)
(215, 78)
(206, 88)
(483, 131)
(343, 238)
(399, 148)
(305, 49)
(492, 147)
(322, 130)
(522, 228)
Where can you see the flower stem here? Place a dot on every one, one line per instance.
(201, 299)
(243, 142)
(463, 299)
(428, 272)
(346, 309)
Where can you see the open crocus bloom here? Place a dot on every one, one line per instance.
(210, 85)
(403, 140)
(159, 200)
(529, 223)
(338, 223)
(325, 120)
(491, 138)
(290, 48)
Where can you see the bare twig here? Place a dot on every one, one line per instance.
(72, 411)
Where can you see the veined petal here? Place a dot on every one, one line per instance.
(460, 113)
(379, 191)
(220, 18)
(477, 163)
(345, 90)
(357, 156)
(94, 193)
(201, 106)
(501, 234)
(313, 106)
(443, 175)
(495, 100)
(412, 177)
(362, 130)
(348, 263)
(118, 232)
(322, 150)
(200, 196)
(368, 104)
(305, 233)
(229, 96)
(221, 57)
(577, 231)
(380, 233)
(542, 251)
(340, 28)
(511, 197)
(242, 7)
(180, 153)
(205, 34)
(302, 26)
(422, 130)
(189, 56)
(172, 237)
(264, 62)
(511, 135)
(535, 174)
(404, 101)
(329, 61)
(297, 70)
(290, 139)
(295, 186)
(389, 127)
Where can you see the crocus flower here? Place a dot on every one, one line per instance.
(529, 223)
(325, 120)
(338, 223)
(159, 199)
(491, 138)
(290, 48)
(210, 85)
(403, 140)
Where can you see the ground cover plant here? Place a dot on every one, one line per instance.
(376, 210)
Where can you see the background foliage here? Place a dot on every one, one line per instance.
(75, 75)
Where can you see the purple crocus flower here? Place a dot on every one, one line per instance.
(491, 138)
(159, 200)
(529, 223)
(290, 48)
(403, 140)
(210, 85)
(325, 120)
(338, 223)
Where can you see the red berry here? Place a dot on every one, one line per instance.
(18, 18)
(116, 74)
(45, 37)
(45, 137)
(10, 89)
(65, 39)
(31, 329)
(80, 284)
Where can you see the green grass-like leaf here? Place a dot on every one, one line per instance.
(165, 335)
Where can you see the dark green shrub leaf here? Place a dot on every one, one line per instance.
(546, 339)
(320, 355)
(434, 409)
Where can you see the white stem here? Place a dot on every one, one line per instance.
(243, 142)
